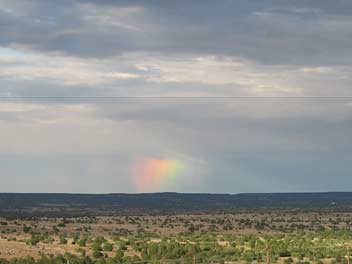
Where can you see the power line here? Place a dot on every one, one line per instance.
(171, 97)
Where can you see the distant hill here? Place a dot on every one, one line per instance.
(166, 203)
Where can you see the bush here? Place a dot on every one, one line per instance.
(288, 261)
(63, 240)
(27, 229)
(82, 242)
(107, 246)
(97, 254)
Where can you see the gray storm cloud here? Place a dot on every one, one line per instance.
(186, 57)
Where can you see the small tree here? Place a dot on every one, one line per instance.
(63, 240)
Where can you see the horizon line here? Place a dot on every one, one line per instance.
(189, 193)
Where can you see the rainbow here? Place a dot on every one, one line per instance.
(152, 174)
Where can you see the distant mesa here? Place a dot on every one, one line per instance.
(165, 203)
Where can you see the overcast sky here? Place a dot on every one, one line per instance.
(201, 50)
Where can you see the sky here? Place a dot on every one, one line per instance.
(227, 96)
